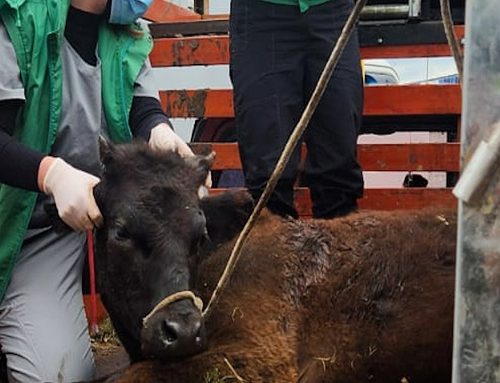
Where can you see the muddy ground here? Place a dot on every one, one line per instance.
(110, 356)
(109, 359)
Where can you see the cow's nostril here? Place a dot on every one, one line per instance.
(173, 336)
(168, 332)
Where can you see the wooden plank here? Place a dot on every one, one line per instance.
(189, 28)
(181, 51)
(400, 34)
(412, 100)
(407, 198)
(410, 157)
(162, 11)
(382, 199)
(373, 157)
(405, 51)
(214, 50)
(400, 100)
(370, 34)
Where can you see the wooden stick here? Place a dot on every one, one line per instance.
(452, 37)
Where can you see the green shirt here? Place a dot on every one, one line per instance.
(303, 4)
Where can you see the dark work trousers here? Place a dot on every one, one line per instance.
(277, 56)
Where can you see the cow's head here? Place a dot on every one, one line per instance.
(149, 245)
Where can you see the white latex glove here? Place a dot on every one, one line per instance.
(72, 192)
(164, 138)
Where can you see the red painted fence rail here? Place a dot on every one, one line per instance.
(397, 100)
(214, 50)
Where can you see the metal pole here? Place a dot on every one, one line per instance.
(477, 300)
(385, 12)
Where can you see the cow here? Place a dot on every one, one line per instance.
(363, 298)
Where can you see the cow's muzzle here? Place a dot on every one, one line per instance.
(173, 331)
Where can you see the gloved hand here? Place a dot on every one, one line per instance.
(72, 192)
(164, 138)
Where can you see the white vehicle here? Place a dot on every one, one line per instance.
(379, 72)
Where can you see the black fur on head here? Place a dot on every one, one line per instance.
(148, 247)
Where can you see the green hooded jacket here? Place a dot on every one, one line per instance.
(36, 29)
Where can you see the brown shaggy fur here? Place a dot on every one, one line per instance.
(365, 298)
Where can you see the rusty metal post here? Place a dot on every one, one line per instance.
(477, 303)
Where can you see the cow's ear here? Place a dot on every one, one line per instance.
(99, 196)
(202, 165)
(105, 150)
(226, 214)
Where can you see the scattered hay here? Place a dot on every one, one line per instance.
(240, 379)
(215, 376)
(105, 336)
(329, 360)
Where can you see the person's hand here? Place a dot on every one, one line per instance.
(72, 190)
(164, 138)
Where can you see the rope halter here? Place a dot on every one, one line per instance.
(171, 299)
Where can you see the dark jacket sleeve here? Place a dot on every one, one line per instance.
(144, 115)
(18, 163)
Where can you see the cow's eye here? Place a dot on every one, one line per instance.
(122, 234)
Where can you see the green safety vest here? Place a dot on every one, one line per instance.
(36, 29)
(303, 4)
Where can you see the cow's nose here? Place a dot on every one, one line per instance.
(182, 338)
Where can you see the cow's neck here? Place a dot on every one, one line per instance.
(129, 340)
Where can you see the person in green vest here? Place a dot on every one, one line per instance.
(70, 71)
(278, 51)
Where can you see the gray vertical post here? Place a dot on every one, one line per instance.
(477, 303)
